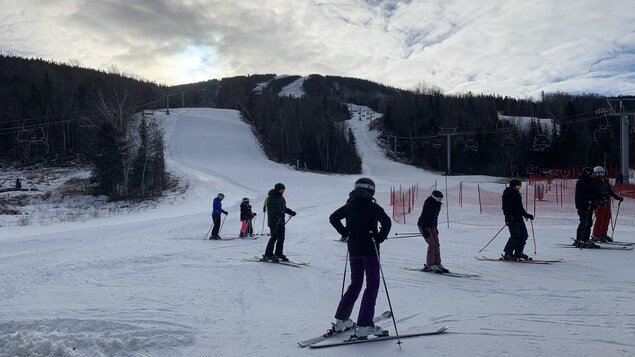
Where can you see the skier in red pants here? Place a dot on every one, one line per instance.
(603, 206)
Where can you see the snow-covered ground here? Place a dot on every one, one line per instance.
(147, 284)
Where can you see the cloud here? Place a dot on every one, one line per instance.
(515, 47)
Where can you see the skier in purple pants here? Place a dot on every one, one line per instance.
(362, 214)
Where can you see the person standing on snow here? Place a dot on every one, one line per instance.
(217, 209)
(276, 208)
(246, 229)
(362, 214)
(427, 224)
(585, 192)
(514, 213)
(603, 206)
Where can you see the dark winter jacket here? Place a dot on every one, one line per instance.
(245, 211)
(585, 192)
(430, 213)
(276, 208)
(603, 192)
(362, 215)
(217, 207)
(513, 206)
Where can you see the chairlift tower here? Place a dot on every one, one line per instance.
(167, 101)
(448, 132)
(625, 107)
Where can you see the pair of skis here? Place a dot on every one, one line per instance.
(453, 274)
(313, 342)
(602, 246)
(281, 262)
(522, 261)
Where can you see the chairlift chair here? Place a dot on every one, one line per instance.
(25, 136)
(471, 144)
(507, 141)
(541, 142)
(603, 134)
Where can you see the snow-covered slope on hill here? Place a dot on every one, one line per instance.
(148, 284)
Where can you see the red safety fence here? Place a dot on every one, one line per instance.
(551, 201)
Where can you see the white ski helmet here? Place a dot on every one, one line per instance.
(598, 171)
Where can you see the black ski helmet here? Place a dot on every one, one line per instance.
(436, 194)
(279, 187)
(366, 184)
(587, 171)
(220, 196)
(515, 182)
(245, 200)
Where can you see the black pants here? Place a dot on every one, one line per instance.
(277, 240)
(518, 237)
(216, 220)
(584, 227)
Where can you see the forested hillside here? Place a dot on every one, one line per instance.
(60, 112)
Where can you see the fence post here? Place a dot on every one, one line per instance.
(480, 204)
(404, 207)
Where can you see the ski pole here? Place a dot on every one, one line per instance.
(209, 230)
(494, 237)
(615, 220)
(387, 296)
(533, 234)
(407, 233)
(407, 236)
(344, 277)
(221, 224)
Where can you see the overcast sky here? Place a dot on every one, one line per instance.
(508, 47)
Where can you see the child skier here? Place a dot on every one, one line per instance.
(246, 216)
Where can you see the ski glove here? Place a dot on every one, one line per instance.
(530, 216)
(621, 199)
(225, 213)
(292, 213)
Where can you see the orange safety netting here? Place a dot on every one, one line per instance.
(551, 201)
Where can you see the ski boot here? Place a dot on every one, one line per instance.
(508, 256)
(342, 325)
(442, 268)
(522, 256)
(362, 332)
(281, 257)
(270, 258)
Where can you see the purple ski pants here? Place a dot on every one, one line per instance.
(359, 266)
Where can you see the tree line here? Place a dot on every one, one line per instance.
(56, 112)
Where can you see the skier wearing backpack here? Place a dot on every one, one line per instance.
(427, 224)
(514, 213)
(362, 215)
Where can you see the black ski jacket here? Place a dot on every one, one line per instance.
(362, 215)
(513, 206)
(276, 208)
(430, 213)
(585, 192)
(245, 211)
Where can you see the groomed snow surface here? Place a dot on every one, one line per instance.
(147, 284)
